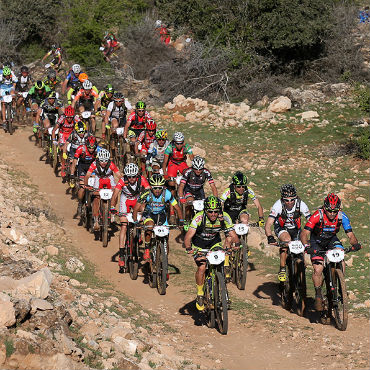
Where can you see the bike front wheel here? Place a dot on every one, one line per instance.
(241, 266)
(133, 262)
(220, 302)
(161, 267)
(300, 287)
(340, 300)
(105, 219)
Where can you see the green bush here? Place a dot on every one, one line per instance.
(362, 97)
(362, 141)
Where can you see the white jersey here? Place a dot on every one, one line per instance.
(156, 152)
(116, 111)
(277, 210)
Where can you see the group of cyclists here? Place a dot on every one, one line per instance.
(159, 185)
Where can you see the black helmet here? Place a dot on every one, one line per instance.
(39, 85)
(118, 96)
(24, 69)
(239, 179)
(288, 190)
(52, 74)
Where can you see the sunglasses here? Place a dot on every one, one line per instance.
(179, 143)
(161, 139)
(141, 110)
(213, 212)
(157, 187)
(240, 186)
(131, 177)
(332, 210)
(289, 199)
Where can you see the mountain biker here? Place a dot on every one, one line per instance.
(110, 44)
(131, 185)
(145, 139)
(7, 86)
(205, 232)
(153, 205)
(320, 234)
(137, 119)
(105, 97)
(84, 156)
(52, 80)
(23, 85)
(77, 138)
(85, 99)
(155, 157)
(49, 108)
(72, 78)
(285, 215)
(116, 112)
(235, 199)
(104, 170)
(65, 124)
(56, 54)
(77, 86)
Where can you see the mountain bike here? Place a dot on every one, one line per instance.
(293, 290)
(9, 113)
(215, 292)
(86, 115)
(86, 218)
(104, 214)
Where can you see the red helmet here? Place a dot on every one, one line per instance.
(151, 125)
(332, 202)
(69, 111)
(91, 142)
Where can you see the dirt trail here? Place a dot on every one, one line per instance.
(262, 346)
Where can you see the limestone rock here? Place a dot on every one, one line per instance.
(280, 105)
(309, 115)
(7, 313)
(40, 304)
(177, 118)
(75, 265)
(37, 284)
(51, 250)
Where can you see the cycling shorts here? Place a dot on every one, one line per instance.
(294, 233)
(63, 137)
(87, 104)
(322, 245)
(234, 215)
(100, 182)
(158, 218)
(197, 195)
(82, 169)
(173, 168)
(126, 205)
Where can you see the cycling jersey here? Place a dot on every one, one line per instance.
(136, 122)
(207, 232)
(145, 140)
(51, 84)
(177, 156)
(104, 100)
(72, 79)
(5, 82)
(37, 96)
(85, 158)
(84, 96)
(65, 126)
(132, 191)
(234, 203)
(106, 171)
(118, 112)
(77, 140)
(23, 83)
(194, 184)
(156, 205)
(48, 108)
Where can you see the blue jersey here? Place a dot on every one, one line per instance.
(157, 205)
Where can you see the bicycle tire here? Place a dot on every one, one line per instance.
(133, 257)
(152, 276)
(286, 287)
(220, 302)
(83, 216)
(340, 305)
(55, 159)
(300, 287)
(211, 317)
(241, 264)
(9, 119)
(105, 226)
(161, 267)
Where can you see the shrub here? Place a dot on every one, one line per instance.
(362, 142)
(362, 97)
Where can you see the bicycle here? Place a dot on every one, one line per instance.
(104, 214)
(9, 113)
(293, 290)
(215, 292)
(86, 218)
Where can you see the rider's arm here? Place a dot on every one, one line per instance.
(259, 207)
(269, 223)
(180, 190)
(178, 212)
(305, 236)
(188, 237)
(214, 189)
(164, 165)
(76, 98)
(38, 114)
(115, 196)
(53, 132)
(45, 56)
(64, 86)
(73, 165)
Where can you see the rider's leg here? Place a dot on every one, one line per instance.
(122, 242)
(95, 211)
(284, 236)
(317, 279)
(199, 279)
(149, 223)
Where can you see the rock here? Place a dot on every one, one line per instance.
(263, 102)
(13, 235)
(40, 304)
(367, 303)
(309, 115)
(126, 345)
(74, 282)
(364, 183)
(37, 284)
(350, 187)
(361, 199)
(179, 100)
(124, 363)
(280, 105)
(51, 250)
(22, 308)
(106, 346)
(199, 151)
(349, 262)
(177, 118)
(75, 265)
(7, 314)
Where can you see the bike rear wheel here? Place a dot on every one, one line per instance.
(340, 300)
(161, 267)
(220, 302)
(300, 287)
(133, 263)
(241, 265)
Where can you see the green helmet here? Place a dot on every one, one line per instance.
(109, 89)
(157, 180)
(239, 179)
(140, 105)
(52, 95)
(39, 85)
(7, 71)
(212, 203)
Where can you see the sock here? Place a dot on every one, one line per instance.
(226, 263)
(200, 290)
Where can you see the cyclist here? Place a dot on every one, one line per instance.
(285, 215)
(105, 97)
(65, 124)
(72, 78)
(84, 156)
(145, 139)
(104, 170)
(56, 54)
(23, 85)
(109, 45)
(86, 98)
(153, 205)
(236, 197)
(7, 86)
(76, 87)
(205, 232)
(137, 119)
(155, 157)
(48, 112)
(52, 80)
(116, 112)
(320, 234)
(131, 185)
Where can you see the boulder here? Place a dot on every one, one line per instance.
(75, 265)
(7, 313)
(51, 250)
(309, 115)
(280, 105)
(199, 151)
(13, 235)
(40, 304)
(178, 118)
(37, 284)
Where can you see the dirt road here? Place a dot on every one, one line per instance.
(285, 342)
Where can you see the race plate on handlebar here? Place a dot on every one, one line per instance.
(105, 194)
(25, 94)
(161, 231)
(130, 219)
(120, 130)
(47, 66)
(216, 257)
(86, 114)
(296, 247)
(198, 205)
(101, 48)
(178, 179)
(91, 181)
(7, 98)
(241, 229)
(335, 255)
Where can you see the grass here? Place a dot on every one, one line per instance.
(9, 347)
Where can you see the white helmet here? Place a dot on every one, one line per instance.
(198, 163)
(87, 85)
(158, 23)
(76, 68)
(131, 169)
(178, 137)
(103, 155)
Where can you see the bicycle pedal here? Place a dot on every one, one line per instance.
(121, 269)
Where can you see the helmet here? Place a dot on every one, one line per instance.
(161, 134)
(151, 125)
(52, 74)
(158, 23)
(76, 68)
(288, 190)
(52, 95)
(239, 179)
(178, 137)
(117, 96)
(82, 77)
(332, 202)
(140, 105)
(69, 111)
(109, 88)
(87, 85)
(91, 142)
(7, 71)
(198, 163)
(131, 169)
(39, 85)
(24, 69)
(131, 134)
(80, 127)
(103, 155)
(213, 203)
(157, 180)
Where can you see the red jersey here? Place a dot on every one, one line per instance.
(137, 122)
(106, 171)
(145, 139)
(84, 156)
(66, 127)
